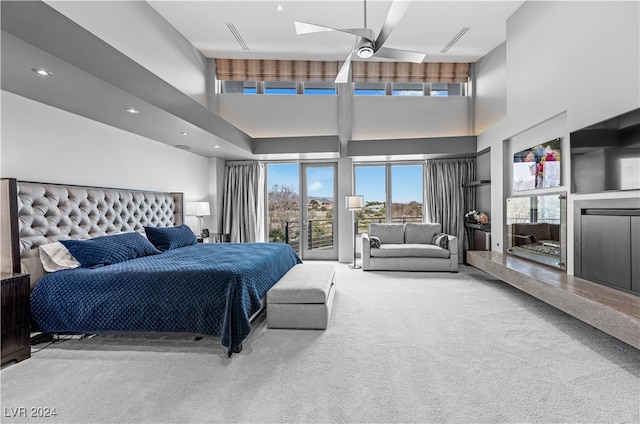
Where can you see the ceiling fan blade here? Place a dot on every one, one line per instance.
(307, 28)
(343, 74)
(396, 12)
(400, 55)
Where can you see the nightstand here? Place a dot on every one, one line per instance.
(220, 238)
(215, 238)
(16, 317)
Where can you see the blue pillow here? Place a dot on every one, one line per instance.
(167, 238)
(108, 250)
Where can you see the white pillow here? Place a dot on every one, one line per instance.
(54, 257)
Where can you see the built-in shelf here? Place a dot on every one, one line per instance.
(478, 226)
(477, 183)
(611, 310)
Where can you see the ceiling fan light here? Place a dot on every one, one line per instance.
(365, 52)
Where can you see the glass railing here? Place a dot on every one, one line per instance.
(321, 232)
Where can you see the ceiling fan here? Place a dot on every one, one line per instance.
(367, 45)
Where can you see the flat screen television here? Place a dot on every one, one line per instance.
(606, 156)
(537, 167)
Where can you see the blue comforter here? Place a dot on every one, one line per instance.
(209, 289)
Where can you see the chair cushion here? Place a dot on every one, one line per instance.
(304, 283)
(387, 233)
(410, 250)
(421, 232)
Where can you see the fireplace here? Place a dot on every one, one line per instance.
(536, 228)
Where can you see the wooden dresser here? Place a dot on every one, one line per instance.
(16, 317)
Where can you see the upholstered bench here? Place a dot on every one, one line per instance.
(302, 298)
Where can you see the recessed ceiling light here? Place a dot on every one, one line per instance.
(132, 110)
(183, 147)
(216, 146)
(184, 133)
(42, 72)
(279, 8)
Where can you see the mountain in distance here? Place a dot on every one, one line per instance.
(321, 199)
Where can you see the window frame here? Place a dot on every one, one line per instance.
(377, 89)
(398, 87)
(290, 88)
(309, 86)
(389, 185)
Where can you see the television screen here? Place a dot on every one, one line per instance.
(606, 156)
(537, 167)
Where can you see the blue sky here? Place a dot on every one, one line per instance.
(319, 184)
(406, 183)
(370, 181)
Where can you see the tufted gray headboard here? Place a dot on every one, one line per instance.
(38, 213)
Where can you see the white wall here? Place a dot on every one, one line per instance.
(569, 64)
(374, 117)
(146, 37)
(582, 57)
(263, 116)
(216, 192)
(45, 144)
(388, 117)
(491, 88)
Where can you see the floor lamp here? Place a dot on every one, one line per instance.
(354, 203)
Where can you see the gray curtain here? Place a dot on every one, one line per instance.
(243, 203)
(447, 201)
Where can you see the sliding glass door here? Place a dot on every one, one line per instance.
(318, 223)
(300, 208)
(283, 204)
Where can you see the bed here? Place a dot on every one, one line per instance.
(195, 288)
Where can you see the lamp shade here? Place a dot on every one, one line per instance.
(197, 209)
(355, 202)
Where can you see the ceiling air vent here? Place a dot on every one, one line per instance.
(455, 39)
(237, 35)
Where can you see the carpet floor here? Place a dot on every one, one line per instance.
(400, 347)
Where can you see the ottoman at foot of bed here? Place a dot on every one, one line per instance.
(302, 298)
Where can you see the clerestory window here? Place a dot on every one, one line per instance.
(370, 78)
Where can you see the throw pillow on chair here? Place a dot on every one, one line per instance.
(441, 240)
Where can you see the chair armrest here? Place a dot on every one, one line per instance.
(453, 243)
(366, 244)
(453, 248)
(366, 252)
